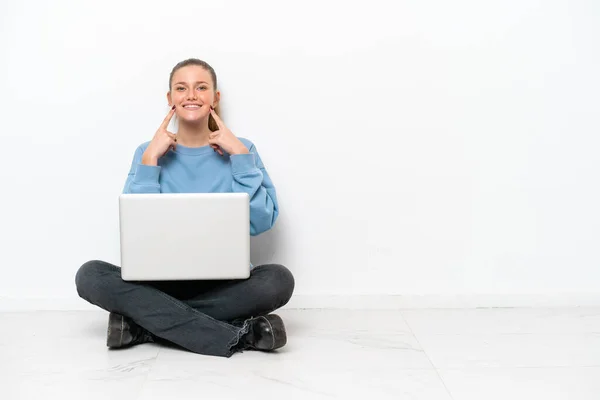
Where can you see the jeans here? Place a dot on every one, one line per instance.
(206, 317)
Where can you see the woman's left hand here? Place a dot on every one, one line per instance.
(225, 139)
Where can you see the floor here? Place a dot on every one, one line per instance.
(408, 354)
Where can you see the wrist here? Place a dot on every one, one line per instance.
(148, 159)
(241, 149)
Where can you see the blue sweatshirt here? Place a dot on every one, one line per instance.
(201, 170)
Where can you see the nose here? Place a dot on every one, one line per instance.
(192, 95)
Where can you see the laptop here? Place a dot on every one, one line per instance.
(184, 236)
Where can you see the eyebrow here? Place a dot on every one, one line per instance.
(183, 83)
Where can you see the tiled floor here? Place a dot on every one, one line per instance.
(480, 354)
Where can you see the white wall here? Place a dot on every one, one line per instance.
(419, 148)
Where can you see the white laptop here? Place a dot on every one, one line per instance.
(184, 236)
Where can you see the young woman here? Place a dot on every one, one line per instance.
(206, 317)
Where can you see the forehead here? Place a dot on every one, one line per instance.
(191, 74)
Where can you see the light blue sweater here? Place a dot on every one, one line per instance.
(201, 170)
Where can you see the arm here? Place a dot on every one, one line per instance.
(142, 178)
(250, 176)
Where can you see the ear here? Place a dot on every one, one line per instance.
(169, 98)
(217, 99)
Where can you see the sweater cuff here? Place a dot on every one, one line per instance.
(146, 174)
(241, 163)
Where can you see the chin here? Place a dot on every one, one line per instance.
(192, 120)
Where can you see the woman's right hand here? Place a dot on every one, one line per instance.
(162, 141)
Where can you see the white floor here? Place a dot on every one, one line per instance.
(480, 354)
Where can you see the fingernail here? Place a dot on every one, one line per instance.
(172, 108)
(211, 107)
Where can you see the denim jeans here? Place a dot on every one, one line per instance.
(205, 317)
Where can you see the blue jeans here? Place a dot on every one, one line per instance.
(205, 317)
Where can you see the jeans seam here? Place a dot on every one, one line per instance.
(233, 343)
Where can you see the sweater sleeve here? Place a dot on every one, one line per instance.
(142, 178)
(250, 176)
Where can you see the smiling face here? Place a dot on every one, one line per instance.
(192, 93)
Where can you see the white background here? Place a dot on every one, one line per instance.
(419, 148)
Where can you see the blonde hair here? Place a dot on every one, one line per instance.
(212, 124)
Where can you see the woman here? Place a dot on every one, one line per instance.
(206, 317)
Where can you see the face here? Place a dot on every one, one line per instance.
(192, 93)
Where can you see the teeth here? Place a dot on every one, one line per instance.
(191, 106)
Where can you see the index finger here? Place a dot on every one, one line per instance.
(218, 120)
(167, 119)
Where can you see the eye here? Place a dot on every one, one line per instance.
(180, 87)
(203, 87)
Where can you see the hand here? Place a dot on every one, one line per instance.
(217, 149)
(225, 139)
(162, 141)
